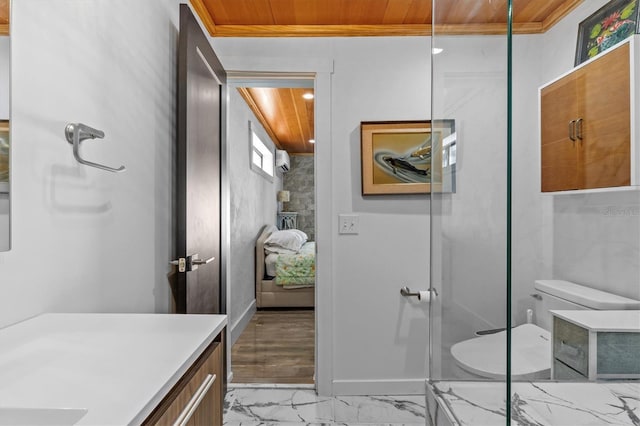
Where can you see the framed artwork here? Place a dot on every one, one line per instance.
(405, 157)
(609, 25)
(4, 155)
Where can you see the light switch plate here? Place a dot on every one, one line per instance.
(348, 224)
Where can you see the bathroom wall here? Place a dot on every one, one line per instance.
(299, 181)
(85, 240)
(470, 228)
(596, 236)
(253, 204)
(378, 338)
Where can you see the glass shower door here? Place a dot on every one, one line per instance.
(469, 201)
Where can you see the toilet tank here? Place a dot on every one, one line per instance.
(559, 294)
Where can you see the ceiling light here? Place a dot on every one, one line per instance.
(312, 141)
(308, 96)
(436, 50)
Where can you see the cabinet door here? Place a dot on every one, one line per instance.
(605, 102)
(558, 107)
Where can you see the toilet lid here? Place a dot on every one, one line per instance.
(486, 355)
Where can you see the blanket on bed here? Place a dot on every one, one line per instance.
(297, 270)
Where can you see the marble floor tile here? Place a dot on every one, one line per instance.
(542, 403)
(369, 409)
(298, 407)
(318, 424)
(277, 405)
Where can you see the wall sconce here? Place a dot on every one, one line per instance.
(283, 197)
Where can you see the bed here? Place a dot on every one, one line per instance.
(270, 292)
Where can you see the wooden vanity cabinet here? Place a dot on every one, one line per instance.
(585, 120)
(197, 398)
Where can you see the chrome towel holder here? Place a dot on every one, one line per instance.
(78, 132)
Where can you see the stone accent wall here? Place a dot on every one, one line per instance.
(299, 181)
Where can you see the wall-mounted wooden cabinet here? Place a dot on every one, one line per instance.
(587, 125)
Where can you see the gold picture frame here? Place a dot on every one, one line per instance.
(397, 156)
(4, 153)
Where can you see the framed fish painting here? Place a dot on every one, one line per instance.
(4, 156)
(407, 157)
(609, 25)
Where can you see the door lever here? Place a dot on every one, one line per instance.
(190, 263)
(202, 261)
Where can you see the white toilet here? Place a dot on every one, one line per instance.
(531, 343)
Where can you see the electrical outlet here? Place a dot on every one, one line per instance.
(348, 224)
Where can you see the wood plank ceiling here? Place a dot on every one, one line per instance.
(285, 114)
(287, 118)
(4, 17)
(343, 18)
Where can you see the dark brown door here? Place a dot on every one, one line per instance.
(201, 89)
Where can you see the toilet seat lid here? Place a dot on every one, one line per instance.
(486, 355)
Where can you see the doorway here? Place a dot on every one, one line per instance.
(272, 341)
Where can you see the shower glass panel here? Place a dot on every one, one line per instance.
(576, 218)
(469, 200)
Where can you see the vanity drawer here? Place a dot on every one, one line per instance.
(197, 398)
(571, 345)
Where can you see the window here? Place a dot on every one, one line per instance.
(261, 155)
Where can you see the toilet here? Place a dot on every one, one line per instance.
(531, 343)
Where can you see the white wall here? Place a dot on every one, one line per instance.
(253, 205)
(470, 227)
(85, 240)
(378, 339)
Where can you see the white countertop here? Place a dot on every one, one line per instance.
(116, 366)
(612, 321)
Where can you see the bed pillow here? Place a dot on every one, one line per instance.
(288, 239)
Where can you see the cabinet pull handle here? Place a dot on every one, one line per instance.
(572, 130)
(195, 401)
(579, 126)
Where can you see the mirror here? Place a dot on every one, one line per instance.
(5, 199)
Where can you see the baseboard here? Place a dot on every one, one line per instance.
(379, 387)
(238, 326)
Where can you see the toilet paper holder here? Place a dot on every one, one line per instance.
(406, 292)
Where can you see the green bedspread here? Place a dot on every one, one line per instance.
(297, 270)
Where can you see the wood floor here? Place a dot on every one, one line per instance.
(276, 347)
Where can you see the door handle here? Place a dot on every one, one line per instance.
(572, 130)
(190, 263)
(579, 127)
(202, 261)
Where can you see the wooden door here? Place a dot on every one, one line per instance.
(558, 109)
(605, 148)
(201, 88)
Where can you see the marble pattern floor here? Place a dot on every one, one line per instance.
(537, 403)
(297, 407)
